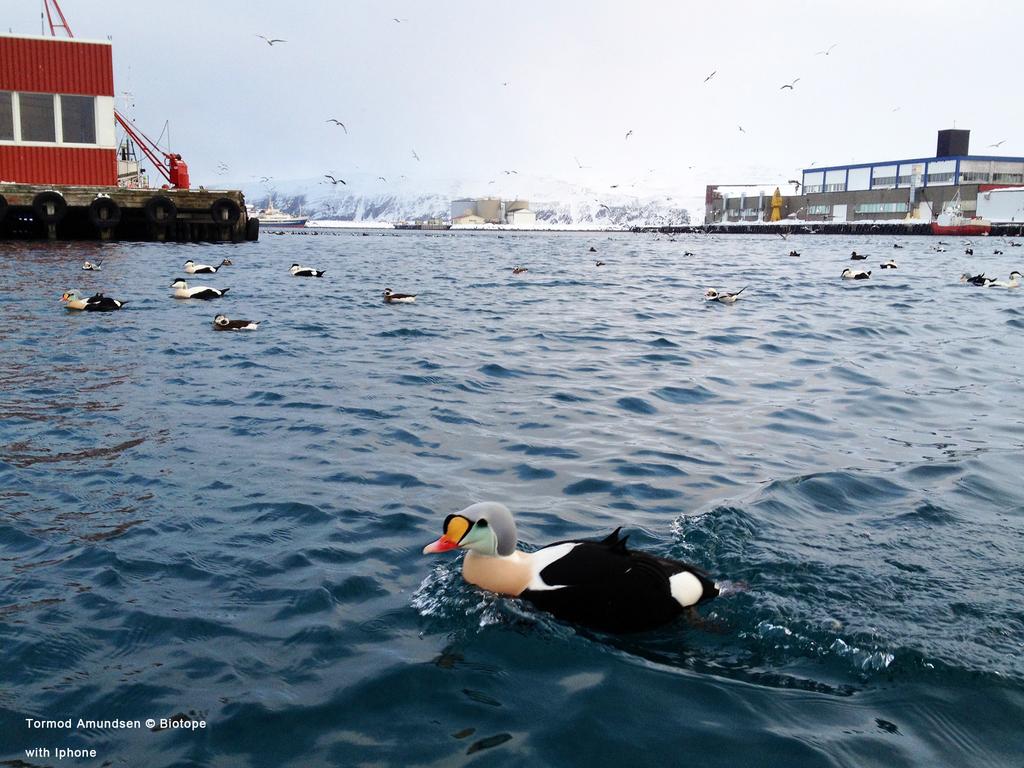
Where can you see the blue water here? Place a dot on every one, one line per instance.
(229, 525)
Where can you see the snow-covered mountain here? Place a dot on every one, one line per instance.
(364, 199)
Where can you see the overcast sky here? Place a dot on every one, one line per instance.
(579, 75)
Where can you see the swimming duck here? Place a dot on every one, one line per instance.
(205, 292)
(204, 269)
(517, 270)
(688, 253)
(896, 245)
(391, 297)
(593, 249)
(298, 271)
(723, 297)
(1013, 282)
(890, 264)
(222, 323)
(854, 256)
(97, 303)
(794, 253)
(90, 267)
(598, 263)
(969, 251)
(976, 279)
(598, 584)
(849, 274)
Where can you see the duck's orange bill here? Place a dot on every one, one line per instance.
(441, 545)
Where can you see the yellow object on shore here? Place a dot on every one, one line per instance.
(776, 205)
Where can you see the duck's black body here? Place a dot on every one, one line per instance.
(605, 586)
(101, 303)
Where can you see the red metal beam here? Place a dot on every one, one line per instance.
(49, 18)
(148, 147)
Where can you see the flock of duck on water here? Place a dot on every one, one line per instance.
(182, 290)
(598, 584)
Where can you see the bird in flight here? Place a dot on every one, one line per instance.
(629, 133)
(398, 21)
(509, 173)
(790, 85)
(614, 186)
(334, 180)
(711, 75)
(505, 83)
(741, 129)
(271, 41)
(337, 122)
(264, 179)
(997, 143)
(415, 156)
(795, 183)
(383, 179)
(895, 109)
(827, 51)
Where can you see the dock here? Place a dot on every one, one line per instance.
(55, 212)
(821, 228)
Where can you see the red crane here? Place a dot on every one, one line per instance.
(172, 167)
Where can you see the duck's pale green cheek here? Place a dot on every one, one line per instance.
(482, 541)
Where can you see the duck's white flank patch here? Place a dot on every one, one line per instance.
(686, 588)
(544, 558)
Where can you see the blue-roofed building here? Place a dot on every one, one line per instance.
(915, 188)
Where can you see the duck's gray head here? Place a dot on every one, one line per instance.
(486, 527)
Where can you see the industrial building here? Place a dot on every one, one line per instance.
(916, 188)
(491, 210)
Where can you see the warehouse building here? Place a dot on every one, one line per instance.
(491, 210)
(916, 188)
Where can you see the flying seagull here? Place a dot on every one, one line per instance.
(790, 85)
(270, 41)
(795, 183)
(337, 122)
(383, 179)
(741, 129)
(997, 143)
(334, 180)
(580, 165)
(265, 179)
(827, 51)
(415, 156)
(629, 133)
(398, 21)
(711, 75)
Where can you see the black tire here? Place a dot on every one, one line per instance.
(50, 207)
(104, 213)
(252, 229)
(161, 210)
(3, 207)
(225, 211)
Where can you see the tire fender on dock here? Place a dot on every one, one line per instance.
(160, 209)
(104, 213)
(225, 211)
(49, 207)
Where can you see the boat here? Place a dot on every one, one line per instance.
(953, 222)
(274, 217)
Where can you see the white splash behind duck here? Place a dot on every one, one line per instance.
(598, 584)
(205, 292)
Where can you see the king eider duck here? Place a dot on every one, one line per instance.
(299, 271)
(723, 297)
(890, 264)
(97, 303)
(854, 256)
(223, 323)
(204, 269)
(849, 274)
(205, 292)
(90, 267)
(391, 297)
(598, 584)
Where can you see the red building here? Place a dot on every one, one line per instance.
(57, 112)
